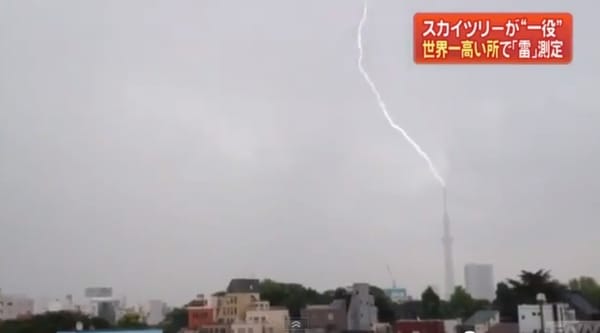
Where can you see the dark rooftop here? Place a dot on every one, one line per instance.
(504, 328)
(243, 286)
(576, 300)
(197, 303)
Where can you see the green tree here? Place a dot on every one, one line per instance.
(46, 323)
(175, 320)
(506, 301)
(131, 320)
(524, 290)
(431, 305)
(291, 295)
(98, 323)
(385, 308)
(530, 284)
(461, 304)
(588, 287)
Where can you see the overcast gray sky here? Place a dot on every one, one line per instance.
(164, 147)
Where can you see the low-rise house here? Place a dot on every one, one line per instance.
(328, 318)
(584, 310)
(200, 313)
(240, 295)
(481, 321)
(252, 327)
(452, 325)
(382, 328)
(215, 328)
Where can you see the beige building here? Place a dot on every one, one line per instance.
(233, 304)
(252, 327)
(276, 317)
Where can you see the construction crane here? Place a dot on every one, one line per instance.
(392, 277)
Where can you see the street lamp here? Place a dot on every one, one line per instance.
(541, 299)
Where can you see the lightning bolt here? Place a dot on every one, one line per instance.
(382, 105)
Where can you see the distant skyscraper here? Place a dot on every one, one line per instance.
(448, 257)
(479, 281)
(156, 312)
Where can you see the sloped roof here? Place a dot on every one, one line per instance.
(243, 286)
(576, 300)
(481, 316)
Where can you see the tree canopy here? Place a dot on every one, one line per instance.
(524, 290)
(462, 305)
(132, 320)
(175, 320)
(431, 304)
(52, 322)
(588, 287)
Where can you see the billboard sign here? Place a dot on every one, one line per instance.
(98, 292)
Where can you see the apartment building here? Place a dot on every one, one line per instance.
(274, 317)
(237, 300)
(330, 318)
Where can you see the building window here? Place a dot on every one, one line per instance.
(330, 316)
(241, 330)
(250, 330)
(533, 314)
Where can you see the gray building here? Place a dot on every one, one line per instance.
(108, 310)
(329, 318)
(237, 286)
(479, 281)
(102, 303)
(362, 312)
(157, 311)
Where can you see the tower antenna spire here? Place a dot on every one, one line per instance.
(448, 257)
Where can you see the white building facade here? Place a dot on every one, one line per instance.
(479, 281)
(15, 306)
(546, 318)
(276, 317)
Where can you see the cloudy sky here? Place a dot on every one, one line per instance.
(164, 147)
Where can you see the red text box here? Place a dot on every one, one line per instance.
(493, 38)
